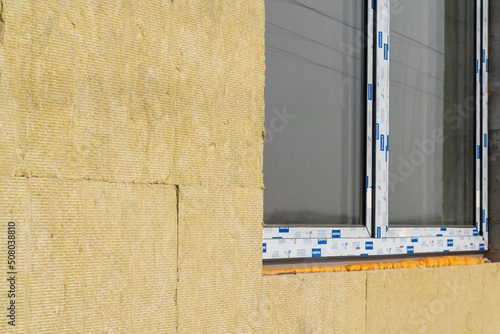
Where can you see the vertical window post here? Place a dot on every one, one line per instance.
(383, 10)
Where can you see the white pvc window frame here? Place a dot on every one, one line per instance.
(375, 237)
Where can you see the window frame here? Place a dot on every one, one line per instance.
(375, 237)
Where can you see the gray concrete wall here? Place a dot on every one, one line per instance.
(494, 132)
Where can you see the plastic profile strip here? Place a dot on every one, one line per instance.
(478, 112)
(369, 115)
(315, 232)
(484, 100)
(394, 232)
(382, 118)
(318, 248)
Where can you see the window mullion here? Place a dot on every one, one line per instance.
(485, 92)
(369, 117)
(382, 117)
(478, 112)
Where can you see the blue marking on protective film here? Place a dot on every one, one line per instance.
(284, 229)
(369, 245)
(382, 143)
(449, 243)
(478, 152)
(376, 131)
(477, 66)
(372, 4)
(484, 216)
(443, 229)
(336, 233)
(439, 235)
(316, 252)
(487, 223)
(414, 239)
(379, 232)
(487, 65)
(446, 251)
(475, 234)
(321, 241)
(410, 250)
(264, 248)
(367, 182)
(485, 140)
(380, 39)
(386, 51)
(387, 148)
(370, 88)
(481, 247)
(363, 254)
(277, 237)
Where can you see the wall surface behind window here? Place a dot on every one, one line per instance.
(494, 132)
(131, 163)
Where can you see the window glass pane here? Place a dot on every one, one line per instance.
(314, 112)
(432, 113)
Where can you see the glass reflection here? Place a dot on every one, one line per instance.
(432, 113)
(314, 106)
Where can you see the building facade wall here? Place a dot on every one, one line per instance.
(131, 163)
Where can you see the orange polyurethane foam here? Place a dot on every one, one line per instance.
(425, 262)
